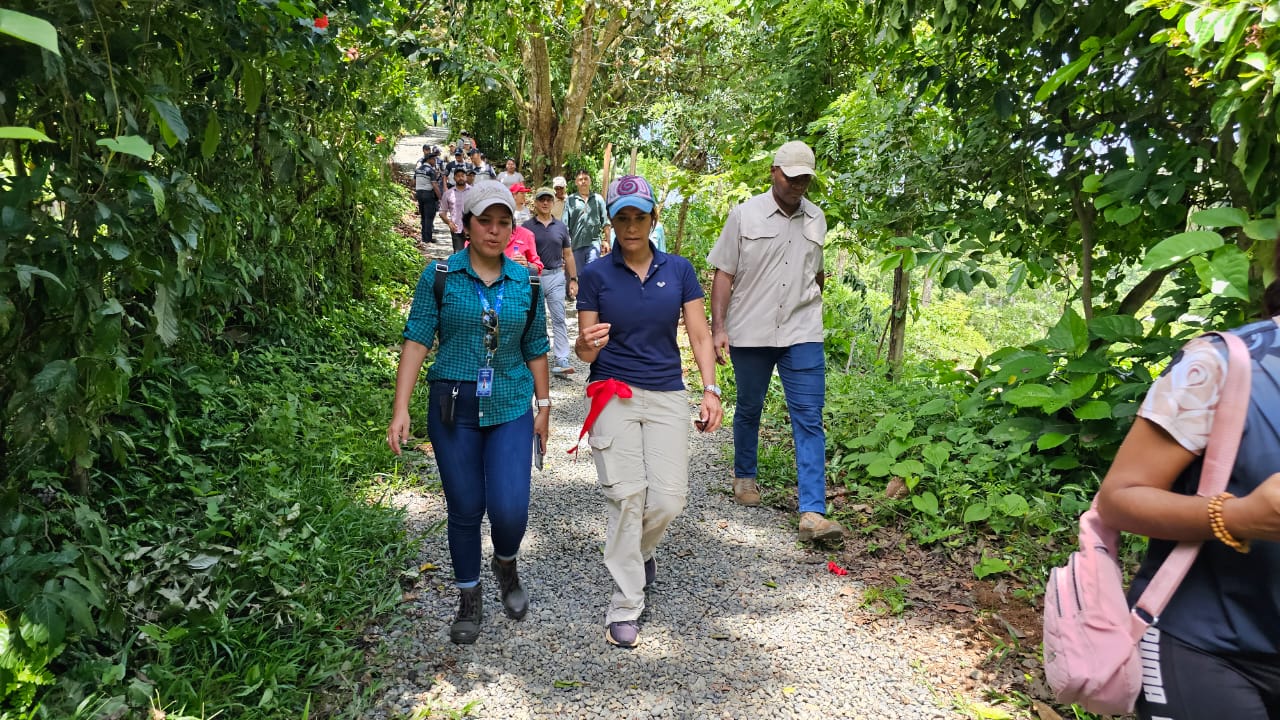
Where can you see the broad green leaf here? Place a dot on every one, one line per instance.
(22, 133)
(1016, 279)
(1176, 248)
(1024, 366)
(54, 376)
(157, 191)
(1066, 462)
(172, 127)
(166, 315)
(1123, 215)
(908, 467)
(1114, 328)
(880, 466)
(933, 407)
(937, 454)
(1226, 273)
(1070, 335)
(977, 512)
(925, 502)
(1081, 385)
(251, 86)
(31, 29)
(212, 136)
(129, 145)
(1051, 440)
(1266, 229)
(989, 566)
(1093, 362)
(1031, 395)
(1092, 183)
(26, 272)
(1014, 505)
(1094, 410)
(41, 622)
(1219, 217)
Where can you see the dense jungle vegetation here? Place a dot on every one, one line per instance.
(1033, 204)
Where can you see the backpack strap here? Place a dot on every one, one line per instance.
(437, 286)
(535, 297)
(1219, 460)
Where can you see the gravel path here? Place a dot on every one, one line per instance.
(742, 623)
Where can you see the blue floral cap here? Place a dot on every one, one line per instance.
(630, 191)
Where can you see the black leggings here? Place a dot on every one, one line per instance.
(1183, 683)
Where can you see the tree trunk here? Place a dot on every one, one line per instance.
(1087, 216)
(684, 213)
(926, 291)
(898, 319)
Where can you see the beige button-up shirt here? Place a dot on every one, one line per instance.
(774, 260)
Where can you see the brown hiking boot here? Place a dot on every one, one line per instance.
(745, 491)
(816, 527)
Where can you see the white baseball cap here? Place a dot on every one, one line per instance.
(795, 159)
(559, 181)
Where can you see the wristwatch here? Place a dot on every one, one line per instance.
(713, 389)
(544, 402)
(573, 279)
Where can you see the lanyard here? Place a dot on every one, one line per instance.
(495, 312)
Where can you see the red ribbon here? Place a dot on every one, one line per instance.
(600, 392)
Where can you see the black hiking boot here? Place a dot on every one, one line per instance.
(466, 626)
(515, 601)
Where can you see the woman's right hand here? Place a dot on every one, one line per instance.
(398, 431)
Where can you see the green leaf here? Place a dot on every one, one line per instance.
(1024, 366)
(1266, 229)
(1176, 248)
(933, 407)
(212, 136)
(22, 133)
(1124, 214)
(1070, 335)
(129, 145)
(1114, 328)
(41, 622)
(925, 502)
(251, 86)
(172, 127)
(157, 191)
(1051, 440)
(1220, 217)
(989, 566)
(1031, 395)
(166, 315)
(977, 512)
(31, 29)
(1014, 505)
(25, 273)
(937, 454)
(1226, 273)
(880, 466)
(1094, 410)
(1066, 462)
(7, 311)
(910, 466)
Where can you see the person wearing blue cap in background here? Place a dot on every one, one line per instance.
(630, 304)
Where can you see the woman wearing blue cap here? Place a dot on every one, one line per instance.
(630, 304)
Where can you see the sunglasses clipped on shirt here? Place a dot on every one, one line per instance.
(489, 321)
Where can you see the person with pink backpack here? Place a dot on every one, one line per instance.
(1212, 648)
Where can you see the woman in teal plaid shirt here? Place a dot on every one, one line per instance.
(492, 358)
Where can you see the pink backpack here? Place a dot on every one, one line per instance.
(1090, 635)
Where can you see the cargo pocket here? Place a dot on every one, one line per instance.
(608, 481)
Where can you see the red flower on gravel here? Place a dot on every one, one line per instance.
(322, 22)
(836, 569)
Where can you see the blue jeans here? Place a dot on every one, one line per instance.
(584, 255)
(804, 383)
(481, 469)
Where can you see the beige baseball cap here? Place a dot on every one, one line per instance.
(559, 181)
(486, 193)
(795, 159)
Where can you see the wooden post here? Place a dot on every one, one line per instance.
(634, 152)
(898, 316)
(604, 171)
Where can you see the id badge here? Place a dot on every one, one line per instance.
(484, 382)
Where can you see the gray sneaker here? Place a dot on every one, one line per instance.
(562, 367)
(625, 634)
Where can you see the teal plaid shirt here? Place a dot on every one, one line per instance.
(461, 353)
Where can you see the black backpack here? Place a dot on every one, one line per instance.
(535, 290)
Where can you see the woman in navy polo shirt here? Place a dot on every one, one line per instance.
(486, 368)
(630, 303)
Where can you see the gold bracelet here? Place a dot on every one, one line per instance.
(1219, 526)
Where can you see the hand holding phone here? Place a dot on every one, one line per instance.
(539, 452)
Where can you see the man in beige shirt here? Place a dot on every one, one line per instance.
(766, 312)
(560, 186)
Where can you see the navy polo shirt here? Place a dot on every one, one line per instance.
(551, 239)
(642, 349)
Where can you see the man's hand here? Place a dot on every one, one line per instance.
(720, 341)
